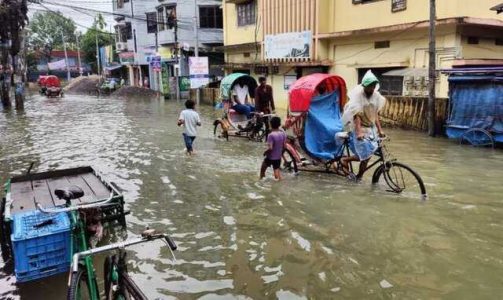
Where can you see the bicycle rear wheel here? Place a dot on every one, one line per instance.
(288, 162)
(79, 287)
(401, 179)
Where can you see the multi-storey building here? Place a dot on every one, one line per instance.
(291, 38)
(167, 28)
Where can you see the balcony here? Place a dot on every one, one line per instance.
(166, 36)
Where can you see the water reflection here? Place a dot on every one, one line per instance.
(310, 236)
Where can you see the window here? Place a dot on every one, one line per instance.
(128, 30)
(151, 22)
(246, 13)
(381, 44)
(210, 17)
(160, 19)
(171, 16)
(363, 1)
(472, 40)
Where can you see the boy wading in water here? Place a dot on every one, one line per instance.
(189, 118)
(275, 144)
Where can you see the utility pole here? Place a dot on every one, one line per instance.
(98, 54)
(196, 47)
(177, 54)
(78, 54)
(432, 71)
(68, 77)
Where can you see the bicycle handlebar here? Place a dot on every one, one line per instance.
(121, 245)
(100, 203)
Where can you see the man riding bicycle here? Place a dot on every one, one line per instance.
(361, 118)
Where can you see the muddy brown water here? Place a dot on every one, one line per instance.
(310, 236)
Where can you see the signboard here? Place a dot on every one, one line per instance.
(199, 72)
(184, 83)
(57, 65)
(288, 45)
(398, 5)
(155, 63)
(289, 80)
(126, 57)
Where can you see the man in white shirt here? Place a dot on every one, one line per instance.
(240, 96)
(190, 119)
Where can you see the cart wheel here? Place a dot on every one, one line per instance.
(400, 179)
(288, 162)
(79, 287)
(477, 137)
(219, 131)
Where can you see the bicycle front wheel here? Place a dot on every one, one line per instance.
(79, 287)
(401, 179)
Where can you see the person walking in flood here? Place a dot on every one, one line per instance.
(361, 118)
(275, 144)
(264, 101)
(190, 119)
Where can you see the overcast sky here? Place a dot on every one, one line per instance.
(84, 18)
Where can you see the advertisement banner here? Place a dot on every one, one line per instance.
(165, 79)
(155, 63)
(57, 65)
(288, 45)
(199, 72)
(126, 57)
(184, 83)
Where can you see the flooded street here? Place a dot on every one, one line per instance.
(311, 236)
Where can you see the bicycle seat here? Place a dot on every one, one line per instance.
(69, 193)
(342, 135)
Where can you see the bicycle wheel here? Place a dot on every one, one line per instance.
(288, 162)
(401, 179)
(79, 287)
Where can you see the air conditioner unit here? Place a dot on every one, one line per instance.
(121, 46)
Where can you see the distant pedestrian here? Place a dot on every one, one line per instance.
(190, 119)
(275, 144)
(264, 102)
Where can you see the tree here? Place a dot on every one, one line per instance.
(96, 32)
(13, 19)
(46, 31)
(93, 34)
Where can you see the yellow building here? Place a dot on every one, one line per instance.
(291, 38)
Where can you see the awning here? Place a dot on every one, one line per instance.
(408, 72)
(113, 67)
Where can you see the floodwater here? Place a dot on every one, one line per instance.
(312, 236)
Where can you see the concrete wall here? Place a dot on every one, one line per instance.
(349, 16)
(486, 49)
(234, 34)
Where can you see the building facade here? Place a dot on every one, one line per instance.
(168, 29)
(287, 39)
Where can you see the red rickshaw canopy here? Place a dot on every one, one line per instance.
(51, 81)
(303, 90)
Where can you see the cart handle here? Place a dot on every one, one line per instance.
(100, 203)
(121, 245)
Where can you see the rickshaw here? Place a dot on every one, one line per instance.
(234, 123)
(317, 141)
(475, 106)
(50, 86)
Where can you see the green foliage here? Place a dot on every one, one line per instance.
(46, 30)
(88, 41)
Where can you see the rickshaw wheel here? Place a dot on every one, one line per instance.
(477, 137)
(4, 241)
(288, 162)
(401, 179)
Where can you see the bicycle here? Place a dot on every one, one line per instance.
(118, 284)
(79, 217)
(397, 176)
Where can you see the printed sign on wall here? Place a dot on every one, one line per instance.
(398, 5)
(288, 45)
